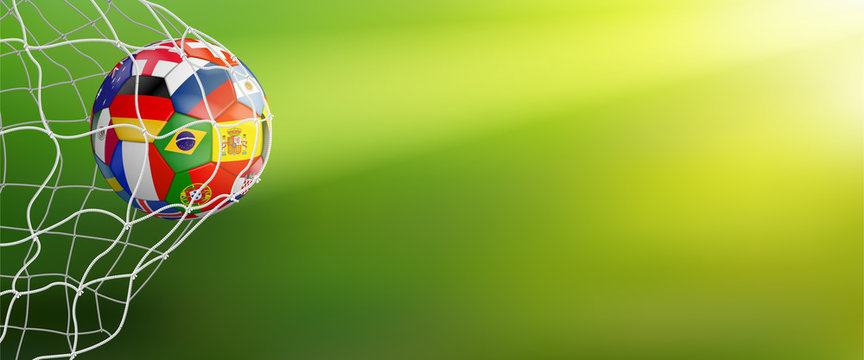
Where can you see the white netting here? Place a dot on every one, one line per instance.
(70, 263)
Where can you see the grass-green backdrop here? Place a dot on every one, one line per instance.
(549, 179)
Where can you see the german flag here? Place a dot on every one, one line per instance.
(153, 105)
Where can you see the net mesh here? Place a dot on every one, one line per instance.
(72, 257)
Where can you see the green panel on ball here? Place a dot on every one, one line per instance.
(178, 186)
(188, 148)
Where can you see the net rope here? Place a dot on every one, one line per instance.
(93, 289)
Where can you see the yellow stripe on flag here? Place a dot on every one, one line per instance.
(114, 184)
(134, 134)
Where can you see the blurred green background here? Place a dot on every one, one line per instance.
(542, 179)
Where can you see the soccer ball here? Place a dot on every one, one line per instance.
(206, 122)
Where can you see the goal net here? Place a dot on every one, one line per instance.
(72, 254)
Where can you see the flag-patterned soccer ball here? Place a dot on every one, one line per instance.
(181, 162)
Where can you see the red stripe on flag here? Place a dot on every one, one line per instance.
(235, 167)
(204, 53)
(235, 112)
(221, 184)
(153, 57)
(111, 141)
(160, 172)
(151, 107)
(219, 99)
(143, 205)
